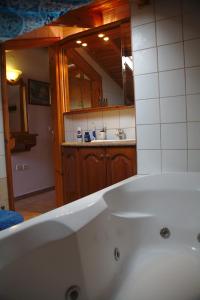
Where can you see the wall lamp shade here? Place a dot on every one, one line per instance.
(13, 75)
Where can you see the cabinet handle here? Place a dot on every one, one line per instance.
(107, 156)
(101, 156)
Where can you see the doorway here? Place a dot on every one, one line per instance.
(31, 131)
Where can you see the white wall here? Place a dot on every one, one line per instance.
(111, 90)
(3, 179)
(166, 44)
(113, 120)
(39, 175)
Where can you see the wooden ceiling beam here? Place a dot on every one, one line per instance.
(83, 18)
(92, 15)
(30, 43)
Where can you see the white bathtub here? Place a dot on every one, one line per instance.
(108, 246)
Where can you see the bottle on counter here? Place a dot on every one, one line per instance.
(79, 135)
(94, 137)
(87, 137)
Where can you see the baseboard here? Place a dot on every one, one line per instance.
(34, 193)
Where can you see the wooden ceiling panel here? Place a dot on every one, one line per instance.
(96, 14)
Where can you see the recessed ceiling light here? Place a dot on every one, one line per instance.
(106, 38)
(101, 35)
(78, 42)
(84, 44)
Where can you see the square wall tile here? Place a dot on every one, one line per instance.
(192, 50)
(149, 161)
(193, 107)
(70, 136)
(191, 25)
(192, 80)
(95, 120)
(144, 36)
(148, 111)
(68, 122)
(170, 57)
(174, 160)
(173, 109)
(2, 166)
(169, 31)
(148, 136)
(80, 121)
(194, 135)
(130, 133)
(111, 134)
(172, 83)
(127, 118)
(146, 86)
(111, 119)
(166, 9)
(142, 15)
(194, 160)
(145, 61)
(174, 136)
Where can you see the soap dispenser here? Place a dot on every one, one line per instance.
(79, 135)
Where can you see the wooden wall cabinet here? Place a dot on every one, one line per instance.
(89, 169)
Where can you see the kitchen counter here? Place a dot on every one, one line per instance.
(99, 143)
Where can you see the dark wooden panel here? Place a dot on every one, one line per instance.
(92, 170)
(70, 175)
(121, 163)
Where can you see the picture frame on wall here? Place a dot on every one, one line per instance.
(38, 92)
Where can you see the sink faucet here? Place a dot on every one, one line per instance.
(121, 134)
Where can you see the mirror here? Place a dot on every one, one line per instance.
(18, 120)
(100, 68)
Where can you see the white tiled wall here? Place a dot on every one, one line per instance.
(166, 53)
(113, 120)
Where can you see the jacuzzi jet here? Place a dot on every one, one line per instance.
(165, 233)
(116, 254)
(73, 293)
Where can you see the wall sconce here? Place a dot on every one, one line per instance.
(13, 75)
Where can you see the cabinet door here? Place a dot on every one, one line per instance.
(70, 175)
(92, 170)
(121, 163)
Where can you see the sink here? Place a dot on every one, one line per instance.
(97, 141)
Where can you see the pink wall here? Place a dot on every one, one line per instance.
(38, 173)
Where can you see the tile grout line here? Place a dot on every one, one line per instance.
(161, 154)
(185, 82)
(169, 70)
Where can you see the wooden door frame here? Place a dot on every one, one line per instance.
(57, 110)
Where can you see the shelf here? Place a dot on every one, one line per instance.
(21, 142)
(99, 108)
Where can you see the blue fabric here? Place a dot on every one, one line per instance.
(9, 218)
(20, 16)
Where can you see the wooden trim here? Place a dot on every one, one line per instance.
(99, 108)
(58, 105)
(89, 32)
(35, 193)
(30, 43)
(6, 128)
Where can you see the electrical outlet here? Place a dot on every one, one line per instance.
(25, 167)
(18, 167)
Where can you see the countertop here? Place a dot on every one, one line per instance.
(99, 143)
